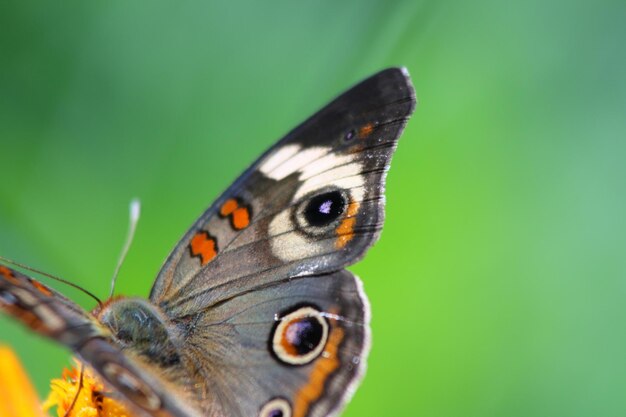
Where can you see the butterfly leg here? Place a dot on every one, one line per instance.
(80, 387)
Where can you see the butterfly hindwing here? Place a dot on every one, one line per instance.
(312, 204)
(298, 346)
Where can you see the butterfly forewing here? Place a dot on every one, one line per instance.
(47, 312)
(312, 204)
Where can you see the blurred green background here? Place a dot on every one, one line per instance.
(498, 288)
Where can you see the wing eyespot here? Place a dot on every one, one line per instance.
(349, 136)
(276, 407)
(136, 390)
(363, 132)
(321, 212)
(299, 336)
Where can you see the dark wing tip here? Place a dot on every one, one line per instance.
(399, 78)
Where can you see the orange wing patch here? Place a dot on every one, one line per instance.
(5, 272)
(327, 363)
(345, 230)
(26, 316)
(239, 214)
(41, 288)
(203, 246)
(366, 130)
(240, 218)
(8, 275)
(228, 207)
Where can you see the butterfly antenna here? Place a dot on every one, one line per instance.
(135, 209)
(45, 274)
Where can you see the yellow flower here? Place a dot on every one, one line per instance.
(20, 399)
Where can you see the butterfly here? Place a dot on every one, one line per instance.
(253, 313)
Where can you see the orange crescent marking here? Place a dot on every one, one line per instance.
(228, 207)
(326, 364)
(366, 130)
(241, 218)
(284, 341)
(41, 288)
(345, 230)
(204, 246)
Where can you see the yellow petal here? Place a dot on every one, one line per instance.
(19, 398)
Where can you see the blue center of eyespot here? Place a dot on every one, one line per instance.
(324, 209)
(275, 413)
